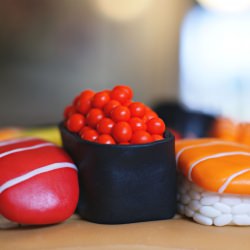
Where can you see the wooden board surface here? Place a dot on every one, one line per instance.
(78, 234)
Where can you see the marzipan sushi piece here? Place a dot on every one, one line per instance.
(124, 183)
(38, 182)
(214, 181)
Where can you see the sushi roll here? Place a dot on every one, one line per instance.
(214, 181)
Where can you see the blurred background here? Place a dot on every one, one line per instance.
(195, 54)
(52, 50)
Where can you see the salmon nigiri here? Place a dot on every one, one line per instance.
(214, 181)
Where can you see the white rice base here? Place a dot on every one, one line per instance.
(210, 208)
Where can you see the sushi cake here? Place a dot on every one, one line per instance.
(214, 181)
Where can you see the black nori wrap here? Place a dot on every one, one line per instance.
(124, 183)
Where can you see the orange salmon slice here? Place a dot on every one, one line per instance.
(215, 165)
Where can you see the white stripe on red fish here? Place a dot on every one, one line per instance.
(35, 172)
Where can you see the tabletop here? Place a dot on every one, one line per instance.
(177, 233)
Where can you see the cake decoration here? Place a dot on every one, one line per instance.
(125, 156)
(214, 181)
(111, 117)
(38, 182)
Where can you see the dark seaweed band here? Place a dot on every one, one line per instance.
(124, 183)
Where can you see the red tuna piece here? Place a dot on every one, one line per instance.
(38, 182)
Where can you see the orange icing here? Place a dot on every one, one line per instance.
(226, 129)
(215, 165)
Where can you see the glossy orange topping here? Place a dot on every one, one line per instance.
(226, 129)
(215, 165)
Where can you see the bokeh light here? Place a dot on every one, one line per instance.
(122, 10)
(226, 5)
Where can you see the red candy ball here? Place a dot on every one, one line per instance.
(110, 106)
(89, 135)
(105, 126)
(149, 114)
(111, 117)
(100, 99)
(106, 139)
(122, 132)
(137, 124)
(120, 113)
(120, 95)
(75, 122)
(156, 126)
(141, 137)
(83, 105)
(157, 137)
(125, 88)
(137, 109)
(94, 116)
(87, 94)
(68, 111)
